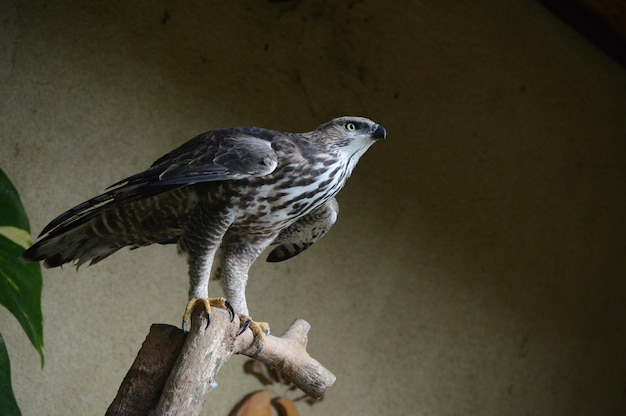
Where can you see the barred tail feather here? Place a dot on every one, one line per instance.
(89, 232)
(74, 246)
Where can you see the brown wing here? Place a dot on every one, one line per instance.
(216, 155)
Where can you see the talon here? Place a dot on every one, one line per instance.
(206, 304)
(230, 309)
(259, 331)
(258, 350)
(246, 325)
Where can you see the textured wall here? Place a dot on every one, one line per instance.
(477, 267)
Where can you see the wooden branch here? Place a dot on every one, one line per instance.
(198, 361)
(193, 376)
(143, 384)
(288, 355)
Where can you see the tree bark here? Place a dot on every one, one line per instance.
(191, 368)
(143, 384)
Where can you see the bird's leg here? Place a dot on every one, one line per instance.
(237, 255)
(201, 241)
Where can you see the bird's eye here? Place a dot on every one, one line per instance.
(350, 126)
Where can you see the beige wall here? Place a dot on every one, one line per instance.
(477, 267)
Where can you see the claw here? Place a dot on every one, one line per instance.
(258, 350)
(230, 309)
(206, 305)
(246, 325)
(259, 331)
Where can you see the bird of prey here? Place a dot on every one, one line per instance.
(225, 195)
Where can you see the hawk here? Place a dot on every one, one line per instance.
(225, 195)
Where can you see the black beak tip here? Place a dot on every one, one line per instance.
(379, 132)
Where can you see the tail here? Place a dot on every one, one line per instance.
(73, 246)
(97, 228)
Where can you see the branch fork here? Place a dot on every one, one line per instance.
(190, 364)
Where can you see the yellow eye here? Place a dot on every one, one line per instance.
(350, 126)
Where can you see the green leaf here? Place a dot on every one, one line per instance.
(20, 291)
(11, 210)
(8, 405)
(20, 283)
(19, 237)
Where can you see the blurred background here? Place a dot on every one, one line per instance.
(478, 265)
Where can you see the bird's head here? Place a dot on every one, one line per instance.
(349, 135)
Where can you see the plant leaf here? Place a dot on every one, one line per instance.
(17, 235)
(11, 210)
(8, 405)
(20, 292)
(20, 283)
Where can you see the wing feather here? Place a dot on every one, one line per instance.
(301, 235)
(216, 155)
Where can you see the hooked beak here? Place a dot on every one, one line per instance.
(379, 132)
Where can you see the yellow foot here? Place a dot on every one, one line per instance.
(206, 304)
(259, 330)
